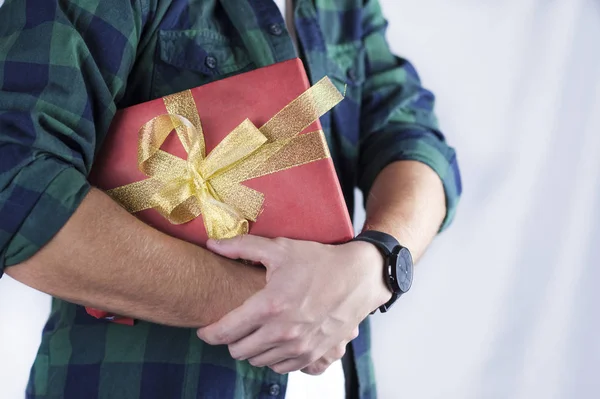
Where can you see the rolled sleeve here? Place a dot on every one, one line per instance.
(401, 143)
(31, 214)
(398, 120)
(63, 68)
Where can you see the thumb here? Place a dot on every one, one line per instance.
(247, 247)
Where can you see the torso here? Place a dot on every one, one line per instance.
(164, 362)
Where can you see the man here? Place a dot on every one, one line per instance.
(66, 66)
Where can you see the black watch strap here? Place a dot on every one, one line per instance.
(386, 244)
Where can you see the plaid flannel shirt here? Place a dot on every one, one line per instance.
(66, 66)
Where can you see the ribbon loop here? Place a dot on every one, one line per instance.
(240, 143)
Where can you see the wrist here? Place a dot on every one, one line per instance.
(401, 231)
(372, 263)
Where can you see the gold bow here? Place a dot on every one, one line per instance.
(181, 190)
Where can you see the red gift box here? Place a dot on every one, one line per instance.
(300, 201)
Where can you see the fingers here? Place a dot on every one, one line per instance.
(252, 346)
(292, 364)
(354, 334)
(248, 247)
(330, 357)
(307, 364)
(249, 317)
(273, 356)
(300, 355)
(323, 363)
(238, 323)
(295, 348)
(269, 346)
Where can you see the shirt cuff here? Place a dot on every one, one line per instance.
(412, 145)
(31, 217)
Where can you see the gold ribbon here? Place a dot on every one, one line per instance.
(181, 190)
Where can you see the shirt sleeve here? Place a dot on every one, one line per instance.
(397, 118)
(63, 66)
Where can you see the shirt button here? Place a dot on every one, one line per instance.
(275, 29)
(352, 74)
(274, 390)
(210, 62)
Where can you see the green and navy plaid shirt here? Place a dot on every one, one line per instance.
(66, 66)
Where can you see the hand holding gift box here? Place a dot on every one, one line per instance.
(190, 185)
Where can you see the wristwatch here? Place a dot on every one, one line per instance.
(398, 266)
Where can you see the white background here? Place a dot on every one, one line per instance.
(505, 303)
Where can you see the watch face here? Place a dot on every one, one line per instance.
(404, 270)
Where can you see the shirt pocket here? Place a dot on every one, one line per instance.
(191, 58)
(346, 66)
(346, 69)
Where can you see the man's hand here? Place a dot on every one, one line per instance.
(315, 297)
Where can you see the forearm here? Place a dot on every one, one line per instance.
(107, 259)
(407, 201)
